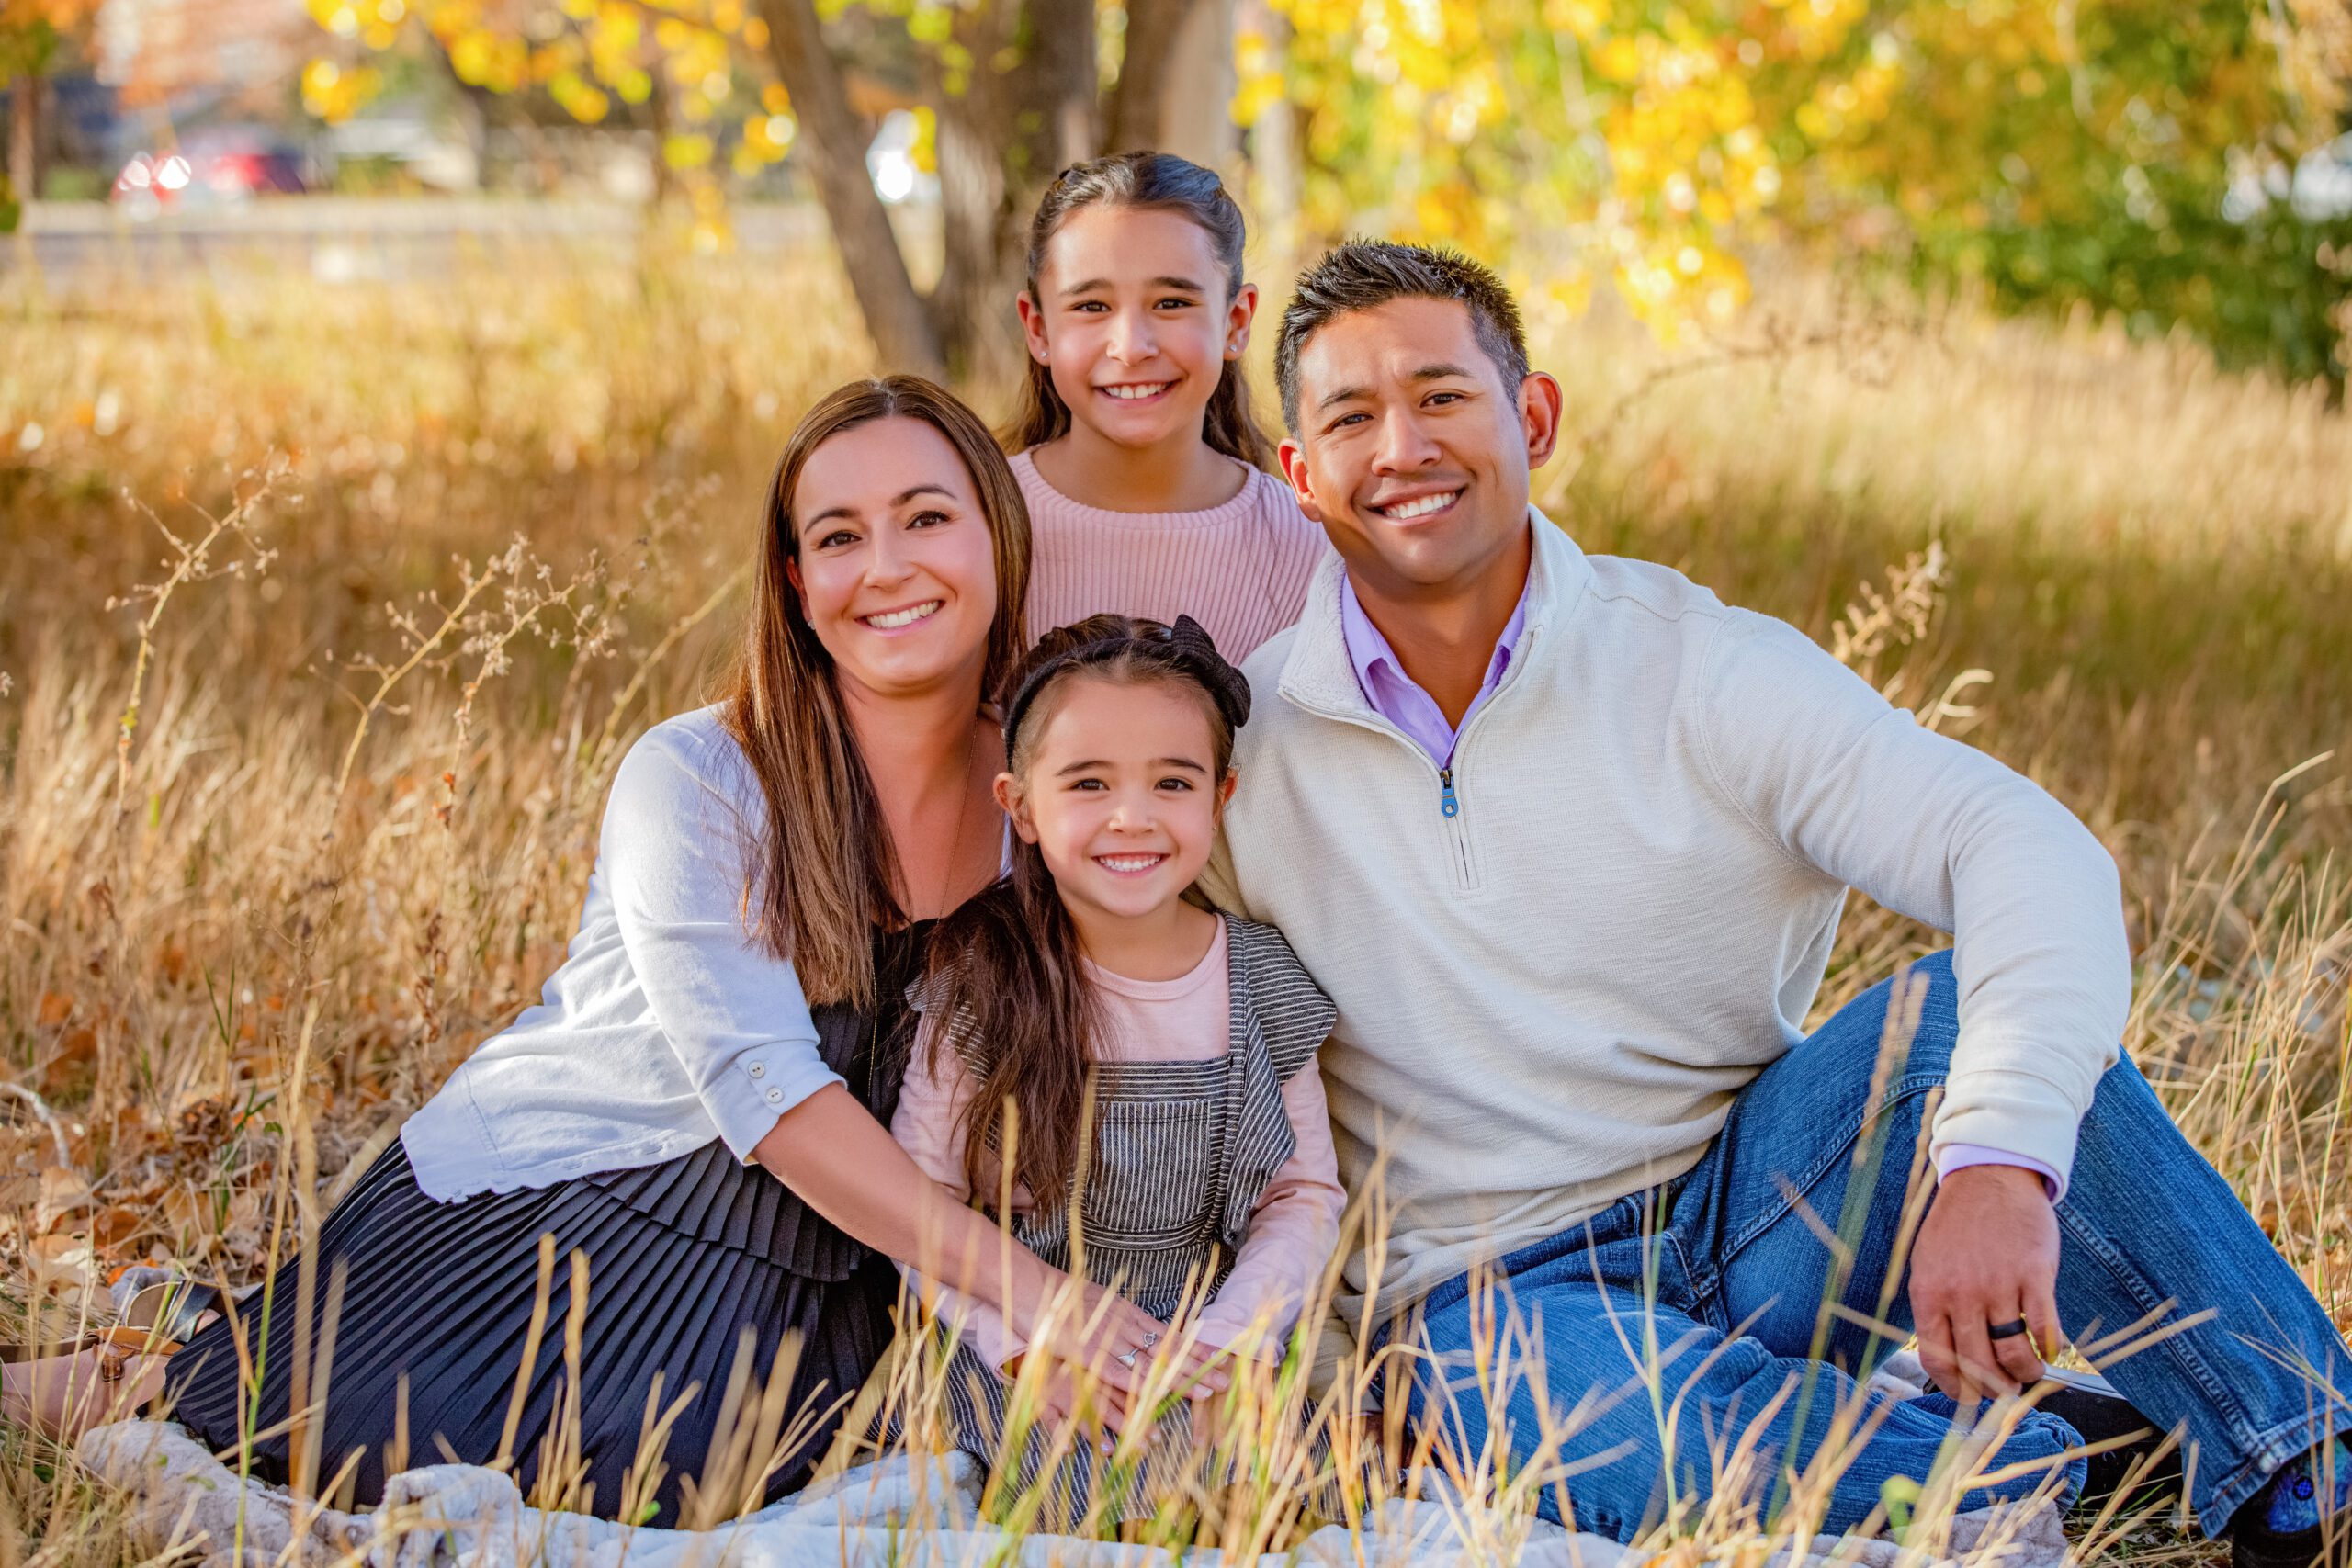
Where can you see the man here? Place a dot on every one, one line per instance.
(1566, 839)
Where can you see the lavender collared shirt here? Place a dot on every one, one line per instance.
(1398, 698)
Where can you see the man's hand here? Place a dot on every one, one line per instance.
(1986, 1256)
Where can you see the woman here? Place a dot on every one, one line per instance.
(698, 1105)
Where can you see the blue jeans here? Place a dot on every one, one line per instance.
(1688, 1319)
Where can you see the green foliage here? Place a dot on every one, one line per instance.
(2060, 155)
(2265, 291)
(28, 43)
(2088, 163)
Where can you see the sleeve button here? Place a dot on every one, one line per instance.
(775, 1095)
(759, 1069)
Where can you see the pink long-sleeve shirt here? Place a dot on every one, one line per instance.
(1294, 1224)
(1240, 569)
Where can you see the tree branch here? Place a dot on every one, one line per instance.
(832, 146)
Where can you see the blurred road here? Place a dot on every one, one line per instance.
(345, 238)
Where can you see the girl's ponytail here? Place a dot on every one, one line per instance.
(1160, 182)
(1230, 426)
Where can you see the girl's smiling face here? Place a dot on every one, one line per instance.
(892, 558)
(1132, 318)
(1121, 794)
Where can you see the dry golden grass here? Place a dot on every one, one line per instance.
(300, 771)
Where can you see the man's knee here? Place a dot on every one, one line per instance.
(1924, 1000)
(1939, 1003)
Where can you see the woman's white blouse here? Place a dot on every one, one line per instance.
(667, 1026)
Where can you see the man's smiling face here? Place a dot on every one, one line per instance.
(1411, 450)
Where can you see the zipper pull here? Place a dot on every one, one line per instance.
(1447, 804)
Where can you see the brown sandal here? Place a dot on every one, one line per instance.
(119, 1346)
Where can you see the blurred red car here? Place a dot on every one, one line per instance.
(227, 163)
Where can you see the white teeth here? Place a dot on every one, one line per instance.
(1419, 507)
(1131, 394)
(1128, 862)
(906, 617)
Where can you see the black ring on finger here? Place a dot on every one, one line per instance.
(2008, 1330)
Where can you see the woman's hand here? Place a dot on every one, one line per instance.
(843, 1163)
(1060, 1405)
(1111, 1336)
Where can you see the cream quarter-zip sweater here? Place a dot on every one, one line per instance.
(1548, 997)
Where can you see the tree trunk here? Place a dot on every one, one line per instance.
(1003, 137)
(832, 145)
(1276, 188)
(1154, 27)
(23, 135)
(1196, 101)
(665, 178)
(474, 110)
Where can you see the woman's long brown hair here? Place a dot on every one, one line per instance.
(1159, 182)
(1005, 969)
(824, 873)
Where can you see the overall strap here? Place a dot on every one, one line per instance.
(1280, 1018)
(1270, 985)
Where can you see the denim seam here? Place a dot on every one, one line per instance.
(1905, 1088)
(2178, 1349)
(1683, 1268)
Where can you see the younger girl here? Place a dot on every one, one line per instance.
(1144, 469)
(1082, 995)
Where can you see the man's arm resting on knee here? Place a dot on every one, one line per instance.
(1935, 830)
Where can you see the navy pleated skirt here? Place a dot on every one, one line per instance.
(438, 1300)
(686, 1261)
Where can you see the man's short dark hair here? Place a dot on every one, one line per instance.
(1365, 274)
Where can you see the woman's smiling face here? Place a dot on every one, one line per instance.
(892, 558)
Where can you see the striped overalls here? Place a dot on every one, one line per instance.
(1182, 1151)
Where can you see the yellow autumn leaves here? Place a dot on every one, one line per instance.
(1627, 141)
(585, 54)
(1641, 145)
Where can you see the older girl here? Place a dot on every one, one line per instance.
(1145, 470)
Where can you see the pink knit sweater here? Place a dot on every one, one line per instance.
(1240, 569)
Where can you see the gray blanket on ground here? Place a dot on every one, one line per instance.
(466, 1517)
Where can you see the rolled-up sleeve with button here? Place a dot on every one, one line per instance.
(675, 838)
